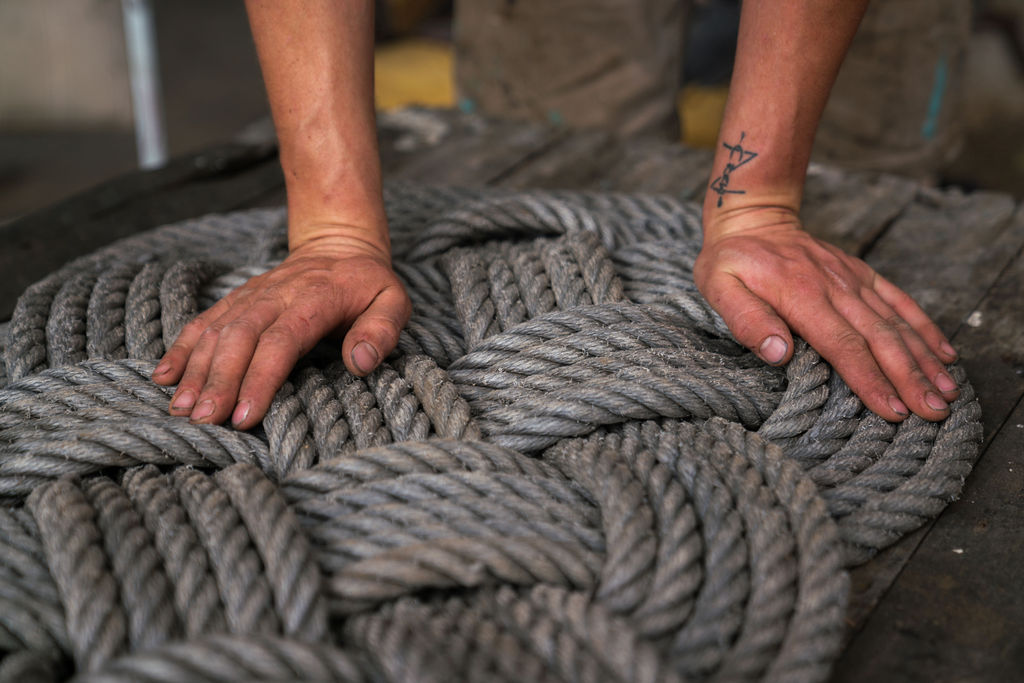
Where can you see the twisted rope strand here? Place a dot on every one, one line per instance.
(555, 475)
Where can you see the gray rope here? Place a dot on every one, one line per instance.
(396, 522)
(144, 332)
(25, 351)
(880, 480)
(96, 621)
(139, 565)
(81, 418)
(195, 593)
(65, 328)
(31, 614)
(30, 666)
(555, 476)
(293, 576)
(105, 317)
(219, 658)
(562, 377)
(179, 295)
(387, 537)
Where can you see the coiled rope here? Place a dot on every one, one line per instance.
(568, 469)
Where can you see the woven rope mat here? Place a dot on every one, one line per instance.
(567, 471)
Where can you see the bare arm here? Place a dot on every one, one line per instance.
(317, 61)
(759, 269)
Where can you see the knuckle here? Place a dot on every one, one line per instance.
(192, 330)
(302, 322)
(886, 331)
(210, 334)
(897, 322)
(279, 335)
(241, 329)
(851, 343)
(179, 351)
(744, 330)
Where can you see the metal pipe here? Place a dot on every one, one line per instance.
(140, 40)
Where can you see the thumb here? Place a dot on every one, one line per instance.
(753, 322)
(374, 334)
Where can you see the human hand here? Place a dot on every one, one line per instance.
(766, 276)
(232, 358)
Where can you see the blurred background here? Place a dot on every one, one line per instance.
(66, 119)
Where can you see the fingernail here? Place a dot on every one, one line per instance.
(773, 349)
(161, 369)
(184, 401)
(203, 410)
(948, 349)
(364, 357)
(241, 412)
(898, 406)
(935, 401)
(944, 383)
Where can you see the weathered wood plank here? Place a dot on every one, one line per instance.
(577, 161)
(851, 210)
(109, 195)
(657, 167)
(217, 180)
(991, 340)
(947, 249)
(956, 611)
(471, 152)
(924, 252)
(406, 134)
(869, 582)
(991, 345)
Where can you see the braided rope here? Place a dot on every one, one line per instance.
(221, 657)
(568, 469)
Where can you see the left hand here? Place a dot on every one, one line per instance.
(231, 359)
(768, 278)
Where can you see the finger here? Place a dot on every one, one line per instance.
(847, 351)
(374, 334)
(751, 320)
(196, 369)
(905, 306)
(199, 361)
(236, 345)
(891, 354)
(171, 367)
(931, 365)
(173, 363)
(276, 353)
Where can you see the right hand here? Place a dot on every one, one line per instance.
(231, 359)
(766, 276)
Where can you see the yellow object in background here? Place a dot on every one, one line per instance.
(700, 113)
(420, 71)
(414, 71)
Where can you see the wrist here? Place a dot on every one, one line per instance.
(335, 240)
(326, 201)
(757, 215)
(751, 175)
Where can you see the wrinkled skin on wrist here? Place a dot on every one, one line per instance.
(770, 279)
(230, 360)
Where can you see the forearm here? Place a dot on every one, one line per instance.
(317, 62)
(788, 55)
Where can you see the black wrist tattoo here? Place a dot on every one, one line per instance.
(737, 157)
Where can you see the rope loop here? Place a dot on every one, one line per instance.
(568, 468)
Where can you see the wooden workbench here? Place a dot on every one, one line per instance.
(945, 603)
